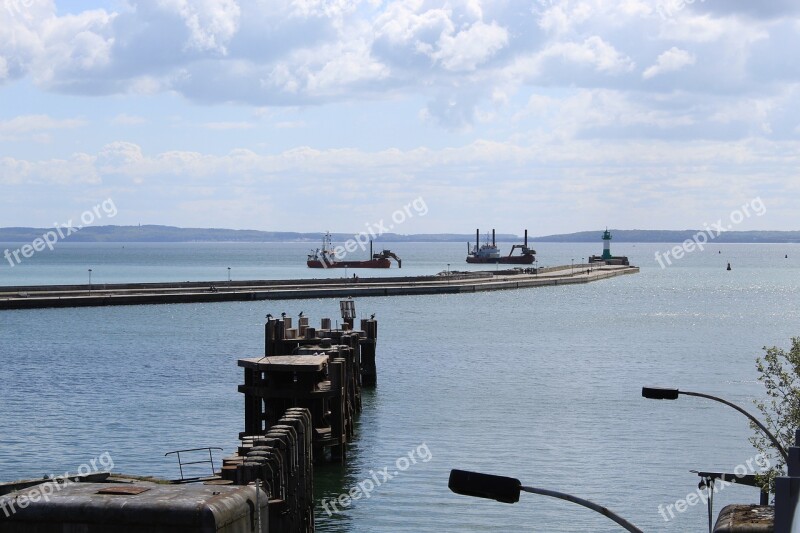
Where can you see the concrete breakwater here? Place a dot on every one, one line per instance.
(44, 296)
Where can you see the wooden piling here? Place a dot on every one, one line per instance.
(301, 401)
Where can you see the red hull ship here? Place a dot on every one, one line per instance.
(326, 258)
(490, 254)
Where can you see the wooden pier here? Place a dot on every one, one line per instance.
(301, 401)
(45, 296)
(319, 369)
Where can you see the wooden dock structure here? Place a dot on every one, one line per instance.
(47, 296)
(301, 401)
(319, 369)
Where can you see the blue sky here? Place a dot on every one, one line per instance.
(313, 115)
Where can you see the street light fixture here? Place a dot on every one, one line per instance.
(507, 489)
(90, 281)
(659, 393)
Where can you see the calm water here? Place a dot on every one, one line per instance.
(542, 384)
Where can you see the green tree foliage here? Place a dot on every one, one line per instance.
(779, 371)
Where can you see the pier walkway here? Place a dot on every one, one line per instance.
(45, 296)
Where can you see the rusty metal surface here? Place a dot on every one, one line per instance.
(123, 491)
(746, 519)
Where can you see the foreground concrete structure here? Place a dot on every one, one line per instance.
(137, 506)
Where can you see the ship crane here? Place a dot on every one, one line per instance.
(523, 247)
(385, 254)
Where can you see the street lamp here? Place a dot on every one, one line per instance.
(659, 393)
(573, 266)
(507, 489)
(90, 281)
(229, 274)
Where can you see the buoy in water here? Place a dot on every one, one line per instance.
(729, 266)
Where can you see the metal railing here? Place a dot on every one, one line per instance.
(182, 463)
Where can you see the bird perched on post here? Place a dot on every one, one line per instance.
(283, 315)
(301, 314)
(269, 316)
(372, 316)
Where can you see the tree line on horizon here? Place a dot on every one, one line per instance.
(157, 233)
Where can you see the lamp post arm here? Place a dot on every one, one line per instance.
(754, 420)
(586, 503)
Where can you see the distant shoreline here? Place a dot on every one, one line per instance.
(170, 234)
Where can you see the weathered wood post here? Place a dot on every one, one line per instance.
(336, 370)
(369, 371)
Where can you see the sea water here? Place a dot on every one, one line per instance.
(540, 384)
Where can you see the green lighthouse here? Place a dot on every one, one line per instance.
(607, 245)
(607, 258)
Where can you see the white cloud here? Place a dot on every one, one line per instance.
(28, 126)
(78, 169)
(471, 47)
(672, 60)
(593, 52)
(211, 23)
(295, 53)
(228, 125)
(570, 95)
(550, 173)
(119, 155)
(564, 17)
(124, 119)
(72, 45)
(344, 65)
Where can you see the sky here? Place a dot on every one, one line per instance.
(315, 115)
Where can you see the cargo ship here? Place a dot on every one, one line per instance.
(326, 258)
(489, 253)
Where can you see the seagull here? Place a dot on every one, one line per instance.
(301, 314)
(283, 315)
(372, 316)
(269, 316)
